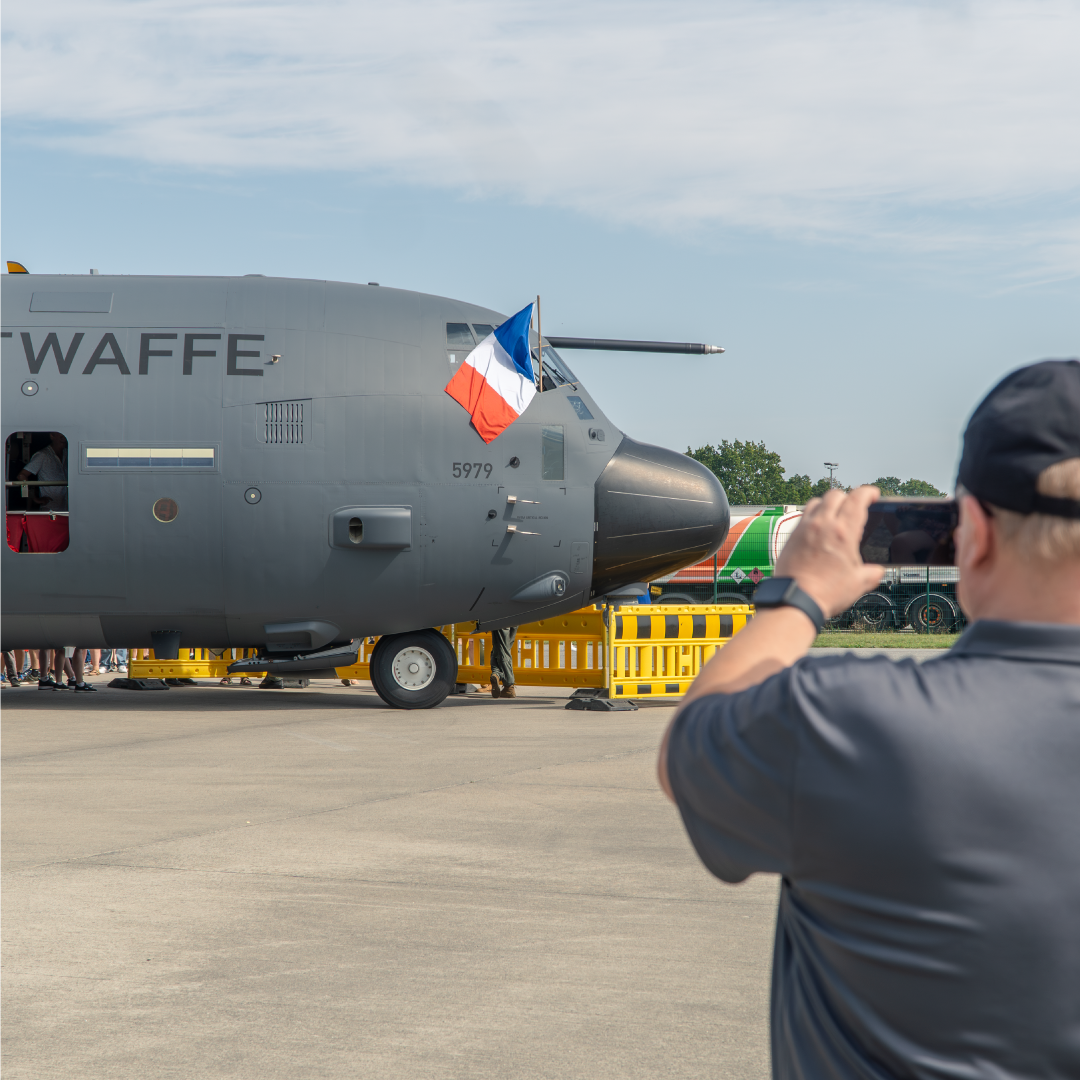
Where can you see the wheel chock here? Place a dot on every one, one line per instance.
(599, 704)
(280, 682)
(138, 684)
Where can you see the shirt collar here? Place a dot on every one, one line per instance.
(1054, 643)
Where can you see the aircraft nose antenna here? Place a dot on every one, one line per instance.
(656, 511)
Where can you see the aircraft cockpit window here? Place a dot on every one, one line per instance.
(459, 341)
(556, 372)
(483, 329)
(36, 489)
(459, 336)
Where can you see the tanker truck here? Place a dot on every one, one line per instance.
(921, 597)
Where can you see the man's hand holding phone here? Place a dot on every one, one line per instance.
(823, 553)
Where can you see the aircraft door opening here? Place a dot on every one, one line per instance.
(36, 492)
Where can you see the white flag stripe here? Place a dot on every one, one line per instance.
(492, 361)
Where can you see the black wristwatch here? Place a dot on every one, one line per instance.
(785, 592)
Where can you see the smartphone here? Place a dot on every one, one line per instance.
(910, 532)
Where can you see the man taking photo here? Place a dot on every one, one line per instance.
(925, 818)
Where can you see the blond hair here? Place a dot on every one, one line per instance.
(1044, 537)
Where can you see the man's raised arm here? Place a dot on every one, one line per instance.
(823, 558)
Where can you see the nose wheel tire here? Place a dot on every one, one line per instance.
(416, 670)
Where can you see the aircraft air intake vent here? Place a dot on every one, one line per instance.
(282, 422)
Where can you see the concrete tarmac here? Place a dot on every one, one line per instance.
(243, 883)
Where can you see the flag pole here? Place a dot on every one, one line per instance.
(539, 344)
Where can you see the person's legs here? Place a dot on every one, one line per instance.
(502, 663)
(78, 662)
(52, 669)
(94, 656)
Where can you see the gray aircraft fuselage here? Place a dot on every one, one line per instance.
(337, 488)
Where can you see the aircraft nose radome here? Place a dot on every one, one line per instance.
(656, 511)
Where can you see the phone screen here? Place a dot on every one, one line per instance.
(910, 532)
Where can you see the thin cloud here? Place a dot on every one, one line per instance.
(833, 119)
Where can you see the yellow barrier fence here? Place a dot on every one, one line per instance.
(659, 654)
(567, 650)
(195, 663)
(631, 651)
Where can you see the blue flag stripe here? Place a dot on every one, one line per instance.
(513, 336)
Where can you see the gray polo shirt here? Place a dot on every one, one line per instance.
(926, 821)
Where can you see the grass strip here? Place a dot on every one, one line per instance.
(841, 639)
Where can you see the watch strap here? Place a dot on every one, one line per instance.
(791, 596)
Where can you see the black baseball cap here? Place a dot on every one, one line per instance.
(1028, 422)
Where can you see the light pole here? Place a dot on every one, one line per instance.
(832, 466)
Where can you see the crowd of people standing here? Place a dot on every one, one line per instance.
(60, 669)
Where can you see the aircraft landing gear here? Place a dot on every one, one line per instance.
(416, 670)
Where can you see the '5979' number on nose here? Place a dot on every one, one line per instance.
(472, 468)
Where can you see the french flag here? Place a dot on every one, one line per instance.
(496, 383)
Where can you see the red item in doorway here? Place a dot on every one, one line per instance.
(47, 534)
(16, 526)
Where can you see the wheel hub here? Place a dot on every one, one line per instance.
(413, 668)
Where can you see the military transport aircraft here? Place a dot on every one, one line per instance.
(275, 462)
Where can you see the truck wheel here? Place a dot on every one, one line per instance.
(416, 670)
(731, 598)
(872, 611)
(675, 598)
(931, 614)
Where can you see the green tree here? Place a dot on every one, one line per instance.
(754, 475)
(889, 485)
(892, 485)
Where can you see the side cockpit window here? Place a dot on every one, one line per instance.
(459, 342)
(36, 491)
(556, 371)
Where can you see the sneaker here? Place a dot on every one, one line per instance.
(494, 686)
(14, 682)
(33, 673)
(122, 667)
(48, 684)
(84, 688)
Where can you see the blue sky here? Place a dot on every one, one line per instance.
(875, 207)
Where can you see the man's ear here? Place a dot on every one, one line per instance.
(975, 536)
